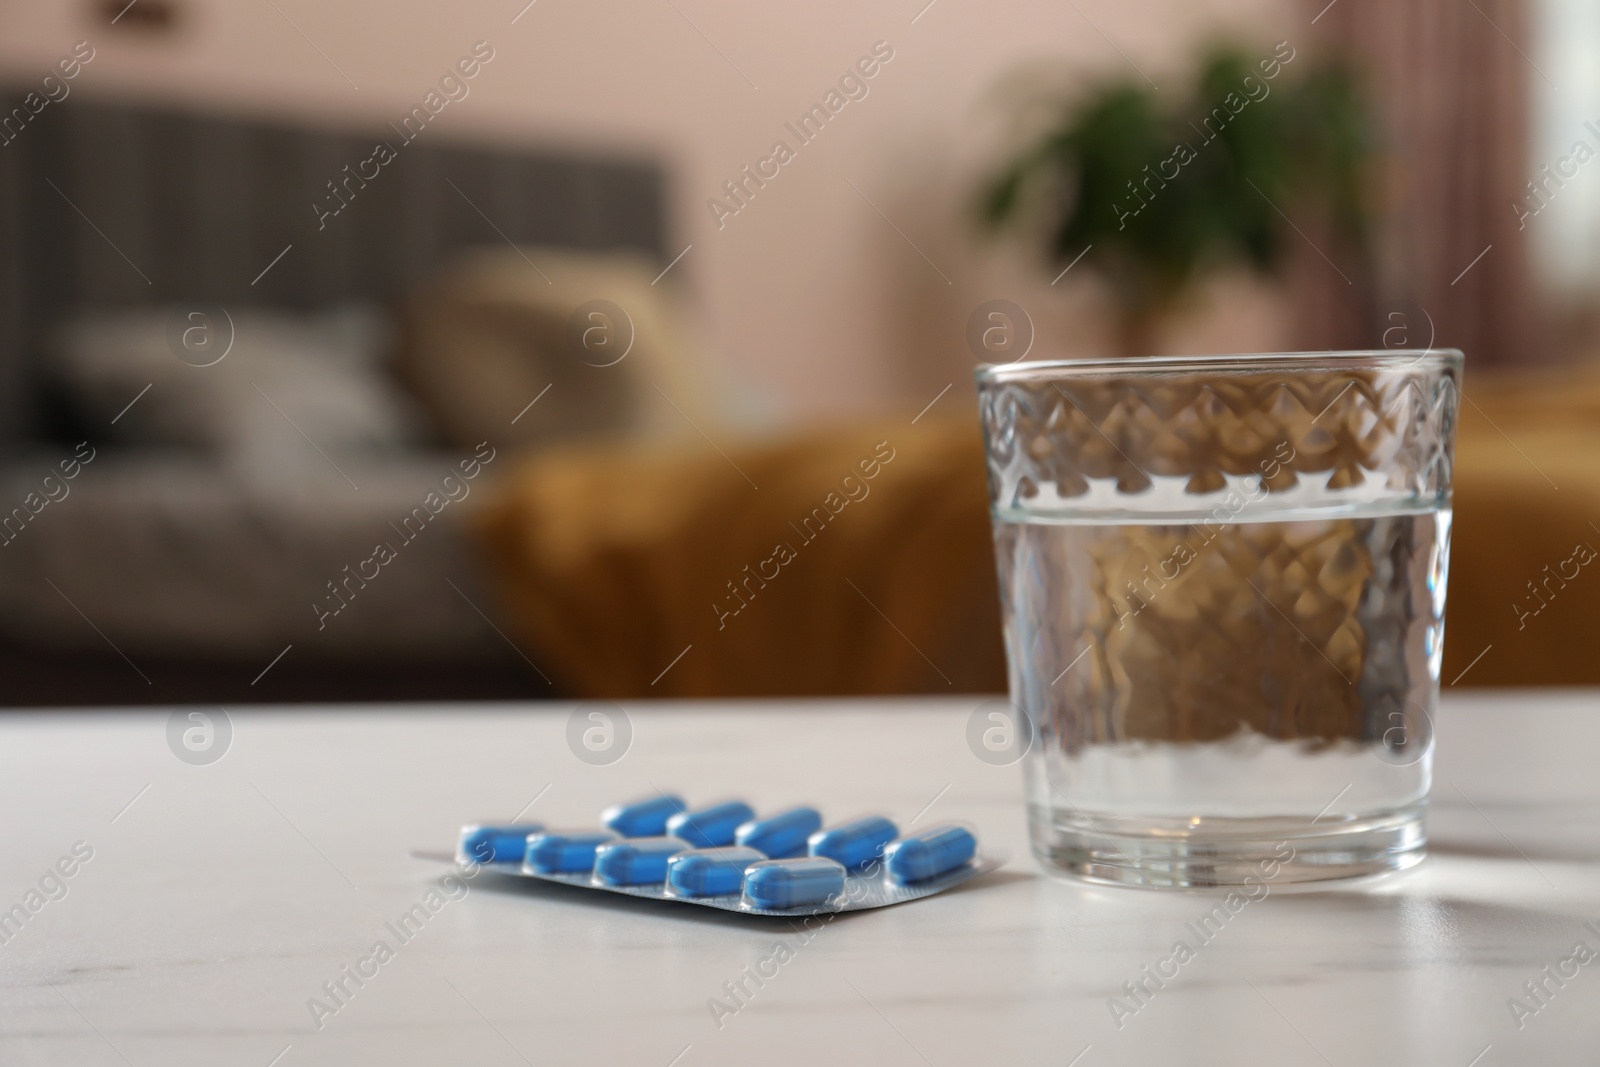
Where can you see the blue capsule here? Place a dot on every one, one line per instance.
(711, 827)
(565, 853)
(792, 883)
(636, 860)
(782, 835)
(854, 843)
(496, 844)
(930, 853)
(710, 872)
(642, 818)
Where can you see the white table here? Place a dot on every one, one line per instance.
(224, 897)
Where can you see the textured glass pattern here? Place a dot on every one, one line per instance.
(1345, 427)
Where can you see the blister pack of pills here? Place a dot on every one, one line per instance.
(726, 856)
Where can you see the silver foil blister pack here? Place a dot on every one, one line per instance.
(725, 856)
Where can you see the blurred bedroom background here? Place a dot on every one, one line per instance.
(358, 351)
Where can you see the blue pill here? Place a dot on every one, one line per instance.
(642, 818)
(930, 853)
(636, 860)
(565, 853)
(854, 843)
(711, 827)
(782, 835)
(792, 883)
(710, 872)
(496, 844)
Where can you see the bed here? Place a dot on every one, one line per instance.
(207, 535)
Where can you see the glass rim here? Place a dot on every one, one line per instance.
(1382, 358)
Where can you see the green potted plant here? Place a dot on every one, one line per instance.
(1159, 194)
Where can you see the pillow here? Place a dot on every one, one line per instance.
(497, 326)
(284, 375)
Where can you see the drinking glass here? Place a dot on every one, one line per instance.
(1222, 580)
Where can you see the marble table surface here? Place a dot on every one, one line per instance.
(208, 903)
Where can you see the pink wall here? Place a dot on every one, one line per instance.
(807, 297)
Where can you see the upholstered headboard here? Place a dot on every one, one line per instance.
(107, 204)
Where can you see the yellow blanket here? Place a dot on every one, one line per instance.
(859, 559)
(849, 560)
(1527, 514)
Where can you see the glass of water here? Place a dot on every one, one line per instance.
(1222, 580)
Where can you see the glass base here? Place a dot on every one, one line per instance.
(1210, 852)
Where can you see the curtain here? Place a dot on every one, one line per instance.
(1450, 81)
